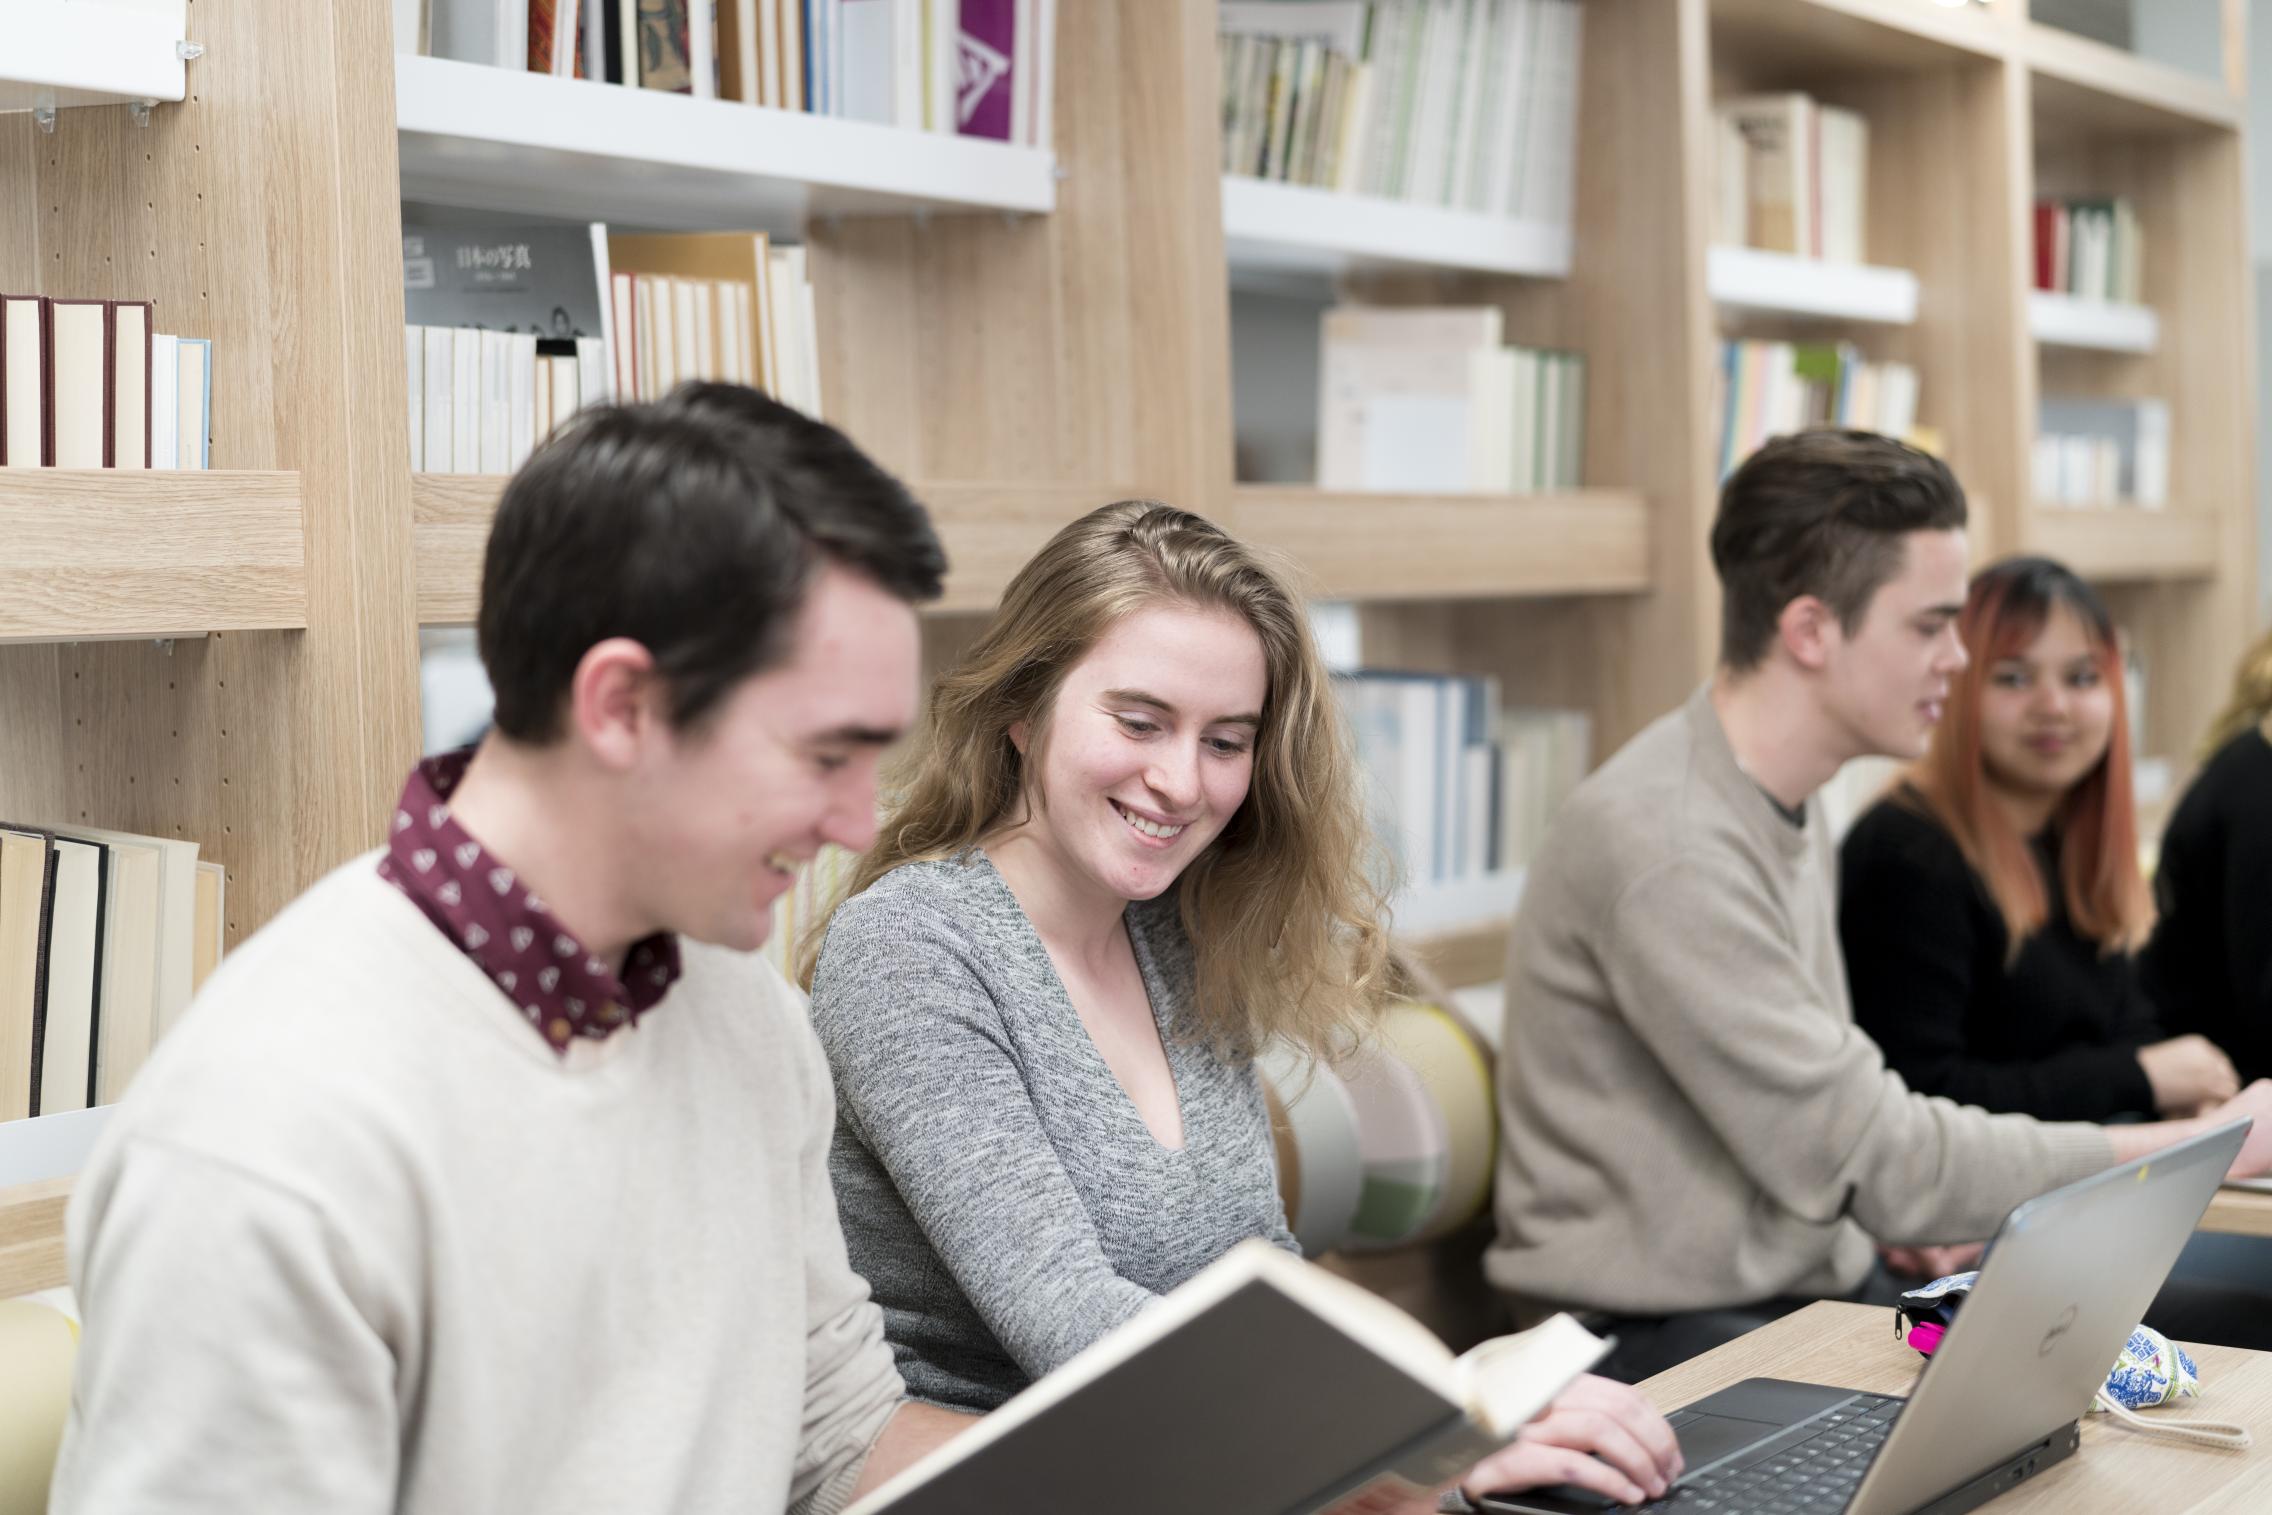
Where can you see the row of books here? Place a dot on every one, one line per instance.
(88, 384)
(1432, 400)
(975, 68)
(513, 328)
(1769, 389)
(1461, 789)
(104, 936)
(1464, 103)
(1791, 175)
(2102, 452)
(2092, 249)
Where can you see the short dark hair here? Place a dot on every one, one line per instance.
(692, 525)
(1823, 513)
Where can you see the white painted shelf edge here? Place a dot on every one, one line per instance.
(567, 142)
(1748, 279)
(2058, 320)
(90, 52)
(1296, 228)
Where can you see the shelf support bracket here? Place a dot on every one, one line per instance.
(140, 111)
(43, 113)
(189, 52)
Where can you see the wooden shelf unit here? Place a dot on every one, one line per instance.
(259, 212)
(530, 144)
(2124, 543)
(101, 553)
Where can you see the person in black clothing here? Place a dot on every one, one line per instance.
(1989, 905)
(2209, 965)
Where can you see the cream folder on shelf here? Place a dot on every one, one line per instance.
(177, 917)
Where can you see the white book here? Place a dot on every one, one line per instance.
(414, 387)
(564, 20)
(520, 378)
(595, 40)
(496, 447)
(907, 64)
(868, 59)
(1396, 395)
(687, 328)
(465, 400)
(770, 62)
(1520, 85)
(165, 401)
(623, 338)
(591, 372)
(177, 916)
(670, 358)
(67, 1041)
(2151, 464)
(410, 26)
(564, 391)
(440, 368)
(1021, 69)
(702, 47)
(477, 31)
(543, 407)
(808, 312)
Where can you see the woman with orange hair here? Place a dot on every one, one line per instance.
(1992, 903)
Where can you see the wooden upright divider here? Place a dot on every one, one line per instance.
(259, 212)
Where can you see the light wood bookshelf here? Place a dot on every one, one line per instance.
(98, 554)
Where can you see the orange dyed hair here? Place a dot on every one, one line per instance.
(2004, 611)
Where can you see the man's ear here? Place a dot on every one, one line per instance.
(1809, 631)
(616, 701)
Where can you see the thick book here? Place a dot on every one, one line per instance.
(130, 336)
(27, 355)
(27, 904)
(79, 393)
(1264, 1386)
(987, 50)
(70, 1028)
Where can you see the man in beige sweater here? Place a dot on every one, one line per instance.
(493, 1173)
(1695, 1135)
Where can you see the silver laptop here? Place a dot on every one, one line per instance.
(2068, 1276)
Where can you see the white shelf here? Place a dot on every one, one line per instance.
(90, 52)
(530, 144)
(1273, 228)
(1747, 279)
(2057, 320)
(1437, 909)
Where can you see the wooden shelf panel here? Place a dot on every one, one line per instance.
(2087, 91)
(89, 52)
(101, 553)
(1794, 39)
(990, 530)
(31, 1237)
(2057, 320)
(2127, 542)
(530, 144)
(1746, 278)
(1392, 547)
(1282, 229)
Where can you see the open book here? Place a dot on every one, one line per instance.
(1264, 1386)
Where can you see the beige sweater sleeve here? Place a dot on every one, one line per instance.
(851, 1388)
(1705, 977)
(230, 1362)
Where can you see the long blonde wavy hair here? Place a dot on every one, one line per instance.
(1287, 927)
(2251, 702)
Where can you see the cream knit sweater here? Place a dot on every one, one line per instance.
(360, 1241)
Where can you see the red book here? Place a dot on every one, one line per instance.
(543, 16)
(2046, 243)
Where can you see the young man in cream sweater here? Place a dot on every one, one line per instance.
(1696, 1137)
(492, 1174)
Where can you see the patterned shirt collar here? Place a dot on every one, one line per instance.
(475, 900)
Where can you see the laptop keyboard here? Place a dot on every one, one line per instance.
(1811, 1469)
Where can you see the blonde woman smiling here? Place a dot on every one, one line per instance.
(1130, 849)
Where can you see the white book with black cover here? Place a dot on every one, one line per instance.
(1264, 1386)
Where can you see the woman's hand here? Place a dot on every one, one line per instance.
(1599, 1435)
(2188, 1074)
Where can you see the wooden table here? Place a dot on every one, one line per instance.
(1852, 1347)
(2240, 1212)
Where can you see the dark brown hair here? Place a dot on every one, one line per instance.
(1820, 513)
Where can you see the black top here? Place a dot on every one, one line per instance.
(2055, 1035)
(2209, 966)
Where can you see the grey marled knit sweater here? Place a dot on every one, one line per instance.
(998, 1188)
